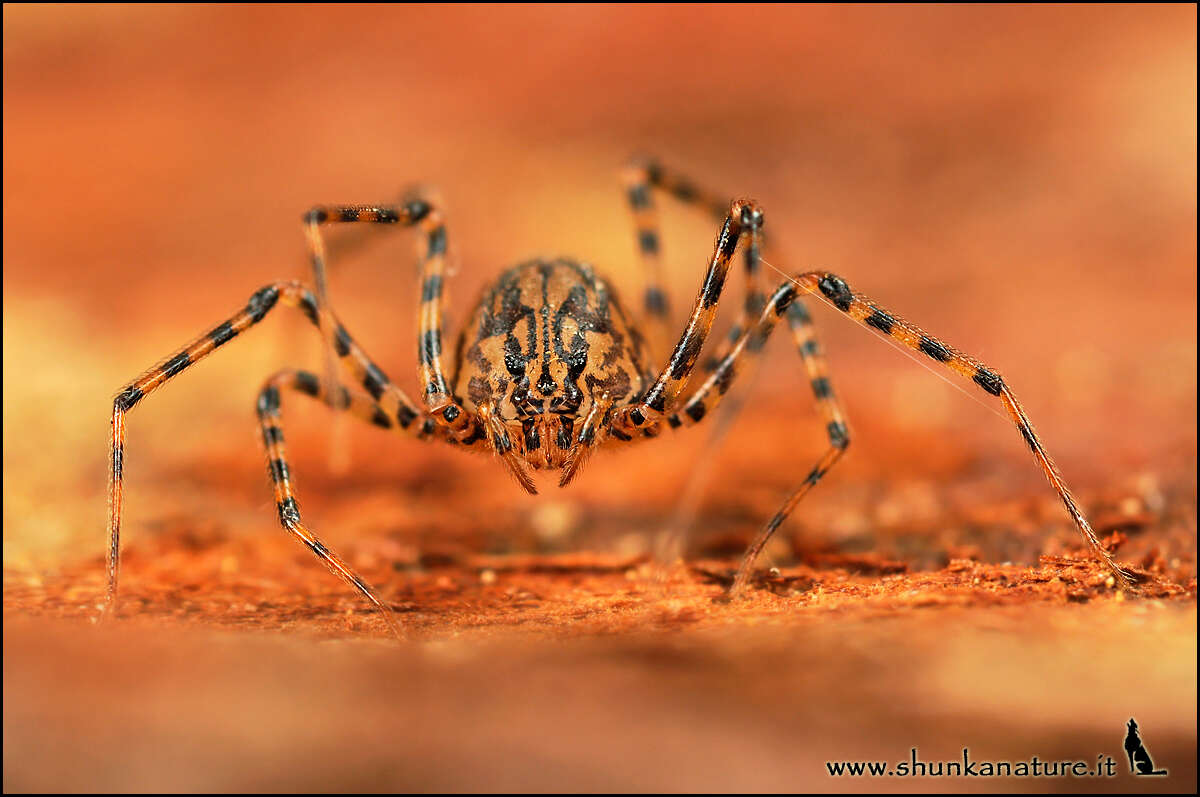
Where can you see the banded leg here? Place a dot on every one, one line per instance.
(270, 422)
(784, 301)
(706, 398)
(640, 179)
(834, 290)
(319, 255)
(442, 406)
(835, 428)
(744, 216)
(389, 397)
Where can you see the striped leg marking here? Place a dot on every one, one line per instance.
(268, 407)
(785, 301)
(753, 304)
(405, 214)
(442, 406)
(743, 216)
(640, 179)
(390, 399)
(835, 428)
(834, 290)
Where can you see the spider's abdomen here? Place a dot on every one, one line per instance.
(546, 341)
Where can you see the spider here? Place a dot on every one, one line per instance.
(550, 366)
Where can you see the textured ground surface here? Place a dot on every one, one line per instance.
(1020, 182)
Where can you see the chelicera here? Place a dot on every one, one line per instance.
(550, 366)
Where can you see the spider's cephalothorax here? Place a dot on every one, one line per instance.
(549, 365)
(548, 351)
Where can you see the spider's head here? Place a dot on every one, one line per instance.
(547, 432)
(547, 354)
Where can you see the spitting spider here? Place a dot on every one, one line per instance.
(550, 366)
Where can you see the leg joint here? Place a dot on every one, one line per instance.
(839, 435)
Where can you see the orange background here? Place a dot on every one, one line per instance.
(1020, 181)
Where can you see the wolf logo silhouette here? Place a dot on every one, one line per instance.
(1140, 762)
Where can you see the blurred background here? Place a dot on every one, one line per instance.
(1020, 182)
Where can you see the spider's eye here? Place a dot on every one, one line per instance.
(568, 401)
(577, 360)
(514, 363)
(573, 398)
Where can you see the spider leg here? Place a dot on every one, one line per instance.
(744, 216)
(320, 253)
(358, 237)
(640, 179)
(270, 422)
(407, 213)
(835, 291)
(443, 407)
(785, 301)
(708, 397)
(391, 400)
(835, 428)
